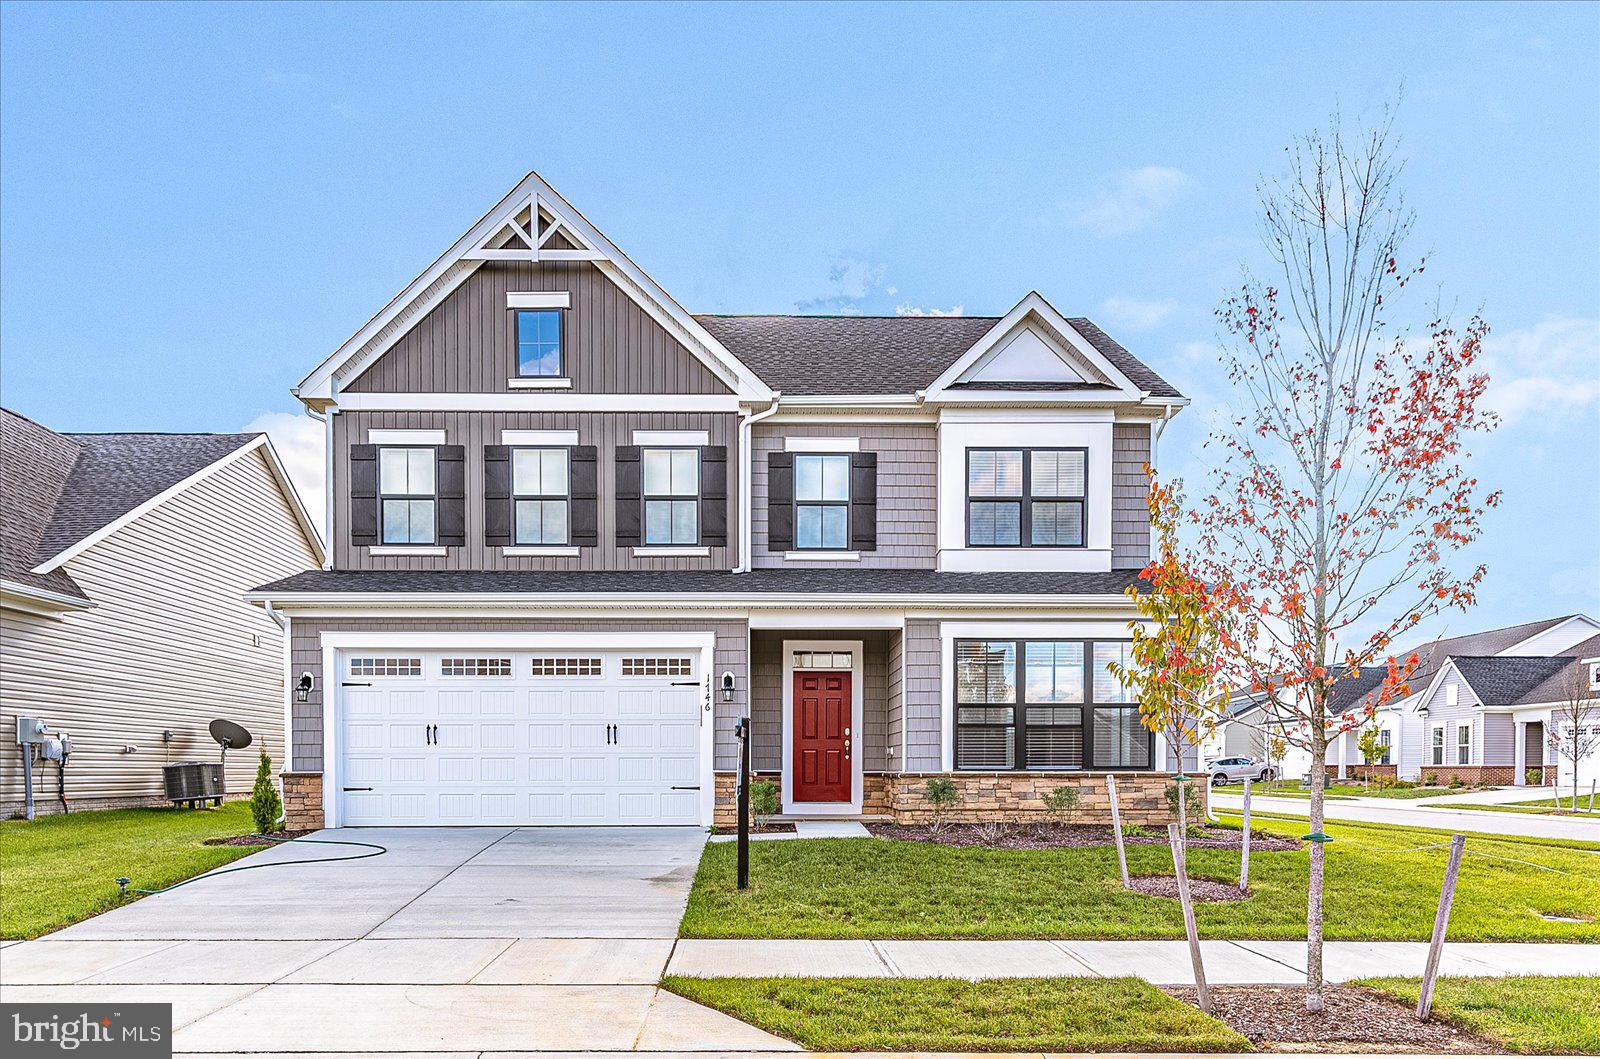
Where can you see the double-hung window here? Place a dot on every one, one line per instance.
(541, 496)
(1027, 498)
(1436, 747)
(821, 502)
(1045, 704)
(671, 496)
(539, 343)
(1463, 744)
(1385, 745)
(408, 495)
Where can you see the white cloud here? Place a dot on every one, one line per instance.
(1552, 367)
(850, 281)
(298, 441)
(907, 309)
(1136, 314)
(1129, 200)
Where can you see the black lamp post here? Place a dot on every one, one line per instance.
(741, 730)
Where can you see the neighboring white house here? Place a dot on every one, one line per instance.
(123, 563)
(1480, 707)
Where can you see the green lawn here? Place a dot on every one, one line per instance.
(950, 1015)
(1527, 1015)
(1547, 806)
(1341, 790)
(1379, 887)
(56, 870)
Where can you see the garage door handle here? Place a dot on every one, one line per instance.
(357, 788)
(356, 684)
(694, 788)
(685, 684)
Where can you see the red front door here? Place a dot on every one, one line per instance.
(821, 737)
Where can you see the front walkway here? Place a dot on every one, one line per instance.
(1157, 962)
(458, 939)
(1405, 814)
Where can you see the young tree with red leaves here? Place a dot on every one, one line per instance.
(1342, 492)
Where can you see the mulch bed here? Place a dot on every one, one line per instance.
(1352, 1020)
(1068, 836)
(1199, 889)
(255, 840)
(778, 827)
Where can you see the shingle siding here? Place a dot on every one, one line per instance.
(923, 700)
(1130, 487)
(895, 702)
(908, 477)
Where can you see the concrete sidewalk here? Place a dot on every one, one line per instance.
(1157, 962)
(1439, 818)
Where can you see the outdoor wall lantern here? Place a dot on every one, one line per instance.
(727, 686)
(302, 689)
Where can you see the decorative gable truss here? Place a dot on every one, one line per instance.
(1033, 353)
(531, 223)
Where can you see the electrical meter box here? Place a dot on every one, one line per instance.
(31, 730)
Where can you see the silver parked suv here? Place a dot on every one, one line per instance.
(1238, 769)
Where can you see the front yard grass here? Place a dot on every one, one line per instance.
(1527, 1015)
(1380, 887)
(952, 1015)
(1547, 806)
(57, 870)
(1284, 789)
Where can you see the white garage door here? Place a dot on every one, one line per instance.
(512, 737)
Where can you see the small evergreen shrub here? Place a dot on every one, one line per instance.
(764, 800)
(265, 805)
(1062, 804)
(941, 794)
(1136, 831)
(1191, 800)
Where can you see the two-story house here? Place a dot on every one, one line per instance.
(576, 531)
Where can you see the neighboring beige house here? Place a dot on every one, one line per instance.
(123, 562)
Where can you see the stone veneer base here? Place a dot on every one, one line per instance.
(302, 801)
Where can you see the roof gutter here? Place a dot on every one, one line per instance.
(746, 463)
(27, 597)
(412, 601)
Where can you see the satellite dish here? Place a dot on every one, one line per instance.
(227, 734)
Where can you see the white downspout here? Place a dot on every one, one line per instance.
(746, 462)
(1161, 428)
(283, 623)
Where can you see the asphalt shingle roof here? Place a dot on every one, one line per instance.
(706, 581)
(825, 355)
(1505, 680)
(34, 464)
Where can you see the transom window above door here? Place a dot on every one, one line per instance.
(671, 496)
(1027, 498)
(541, 496)
(408, 495)
(822, 501)
(824, 659)
(539, 344)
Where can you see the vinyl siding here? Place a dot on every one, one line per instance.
(1465, 711)
(474, 430)
(729, 655)
(1498, 742)
(467, 343)
(170, 644)
(908, 477)
(923, 703)
(895, 704)
(1130, 487)
(766, 694)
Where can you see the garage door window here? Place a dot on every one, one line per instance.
(657, 667)
(567, 667)
(386, 667)
(475, 667)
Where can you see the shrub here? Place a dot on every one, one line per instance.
(1061, 804)
(1534, 778)
(941, 794)
(1136, 831)
(1430, 779)
(1455, 783)
(1401, 785)
(265, 805)
(993, 832)
(1191, 800)
(764, 800)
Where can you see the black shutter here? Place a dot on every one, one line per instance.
(497, 496)
(864, 501)
(714, 496)
(628, 496)
(780, 501)
(584, 476)
(452, 503)
(363, 495)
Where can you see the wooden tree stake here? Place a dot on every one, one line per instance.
(1180, 864)
(1441, 923)
(1244, 846)
(1116, 829)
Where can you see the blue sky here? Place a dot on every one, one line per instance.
(199, 203)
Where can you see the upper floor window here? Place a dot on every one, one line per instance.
(408, 495)
(671, 496)
(539, 344)
(822, 502)
(541, 496)
(1027, 498)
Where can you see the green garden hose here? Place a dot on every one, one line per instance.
(377, 851)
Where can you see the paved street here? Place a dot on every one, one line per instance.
(468, 939)
(1395, 811)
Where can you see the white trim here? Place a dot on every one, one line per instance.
(405, 437)
(553, 299)
(529, 550)
(857, 734)
(535, 438)
(916, 604)
(824, 445)
(332, 643)
(407, 549)
(285, 485)
(542, 383)
(823, 619)
(821, 557)
(16, 596)
(671, 438)
(1584, 618)
(664, 552)
(536, 402)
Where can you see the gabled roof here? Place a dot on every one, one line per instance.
(1506, 680)
(65, 492)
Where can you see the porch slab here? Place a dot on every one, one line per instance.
(981, 959)
(403, 961)
(578, 961)
(777, 958)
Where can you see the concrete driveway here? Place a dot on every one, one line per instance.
(454, 940)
